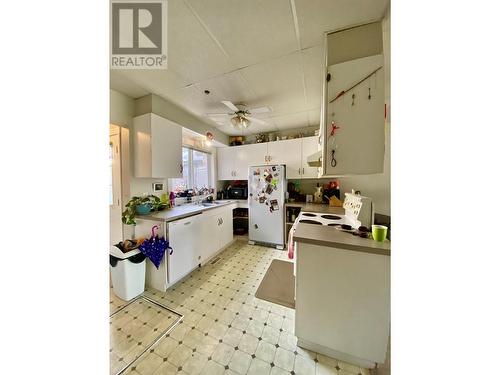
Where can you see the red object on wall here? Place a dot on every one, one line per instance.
(334, 128)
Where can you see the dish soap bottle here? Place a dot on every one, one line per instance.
(165, 199)
(318, 195)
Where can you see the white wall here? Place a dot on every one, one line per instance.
(121, 109)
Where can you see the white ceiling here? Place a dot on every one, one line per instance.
(257, 52)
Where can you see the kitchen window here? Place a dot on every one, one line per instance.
(195, 170)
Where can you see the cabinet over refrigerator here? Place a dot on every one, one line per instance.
(266, 199)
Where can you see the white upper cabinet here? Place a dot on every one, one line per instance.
(225, 163)
(287, 152)
(248, 156)
(157, 147)
(354, 99)
(233, 162)
(310, 146)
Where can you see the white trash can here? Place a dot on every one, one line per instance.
(128, 272)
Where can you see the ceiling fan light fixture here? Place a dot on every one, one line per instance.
(240, 122)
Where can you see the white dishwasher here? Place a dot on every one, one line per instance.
(185, 240)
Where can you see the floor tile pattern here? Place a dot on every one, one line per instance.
(134, 328)
(226, 330)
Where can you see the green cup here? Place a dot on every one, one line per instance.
(379, 232)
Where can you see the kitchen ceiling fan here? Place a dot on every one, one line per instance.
(241, 117)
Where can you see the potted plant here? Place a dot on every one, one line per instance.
(140, 205)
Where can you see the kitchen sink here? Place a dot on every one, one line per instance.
(214, 203)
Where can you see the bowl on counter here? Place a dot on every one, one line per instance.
(143, 209)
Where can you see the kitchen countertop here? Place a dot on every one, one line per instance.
(180, 212)
(329, 236)
(316, 207)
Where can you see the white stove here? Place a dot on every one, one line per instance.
(318, 218)
(358, 211)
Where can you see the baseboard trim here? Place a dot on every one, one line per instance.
(334, 354)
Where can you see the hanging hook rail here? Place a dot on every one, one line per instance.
(356, 84)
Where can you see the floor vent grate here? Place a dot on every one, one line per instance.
(215, 260)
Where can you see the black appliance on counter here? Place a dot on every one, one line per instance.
(237, 192)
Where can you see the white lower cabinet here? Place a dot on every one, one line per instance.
(217, 231)
(226, 228)
(210, 227)
(186, 245)
(194, 240)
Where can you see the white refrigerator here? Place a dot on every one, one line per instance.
(266, 199)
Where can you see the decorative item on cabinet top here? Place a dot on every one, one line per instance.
(261, 137)
(236, 140)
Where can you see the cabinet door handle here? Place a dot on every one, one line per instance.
(181, 168)
(299, 170)
(187, 223)
(303, 171)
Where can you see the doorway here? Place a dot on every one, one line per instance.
(115, 201)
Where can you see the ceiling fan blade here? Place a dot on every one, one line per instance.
(230, 105)
(218, 114)
(256, 120)
(260, 110)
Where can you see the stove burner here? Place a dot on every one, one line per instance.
(334, 225)
(306, 221)
(331, 217)
(308, 214)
